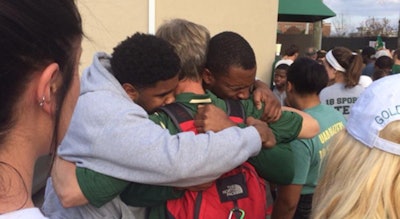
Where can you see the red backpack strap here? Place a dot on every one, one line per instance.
(180, 116)
(183, 118)
(235, 111)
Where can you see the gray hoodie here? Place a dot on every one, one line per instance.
(111, 134)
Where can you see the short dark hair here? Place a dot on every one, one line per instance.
(368, 51)
(378, 74)
(291, 50)
(228, 49)
(143, 59)
(307, 76)
(384, 62)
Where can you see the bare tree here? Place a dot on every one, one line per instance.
(341, 24)
(375, 26)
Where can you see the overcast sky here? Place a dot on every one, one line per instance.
(356, 11)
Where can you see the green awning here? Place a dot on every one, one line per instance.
(303, 11)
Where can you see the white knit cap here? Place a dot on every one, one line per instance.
(283, 61)
(377, 106)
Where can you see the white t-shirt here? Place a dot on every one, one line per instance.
(340, 98)
(280, 95)
(26, 213)
(365, 81)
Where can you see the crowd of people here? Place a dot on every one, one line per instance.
(349, 74)
(176, 125)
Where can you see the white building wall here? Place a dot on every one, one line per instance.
(108, 22)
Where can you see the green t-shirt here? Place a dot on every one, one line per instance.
(269, 163)
(395, 69)
(308, 153)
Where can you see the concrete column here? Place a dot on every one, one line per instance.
(398, 35)
(317, 34)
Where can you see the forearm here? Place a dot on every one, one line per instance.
(286, 202)
(155, 148)
(65, 183)
(71, 197)
(282, 210)
(310, 126)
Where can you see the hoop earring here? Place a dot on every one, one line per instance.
(41, 102)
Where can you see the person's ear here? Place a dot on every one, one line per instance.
(132, 92)
(208, 77)
(289, 86)
(50, 81)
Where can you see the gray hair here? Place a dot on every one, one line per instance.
(190, 41)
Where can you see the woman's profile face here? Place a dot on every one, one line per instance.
(331, 71)
(70, 98)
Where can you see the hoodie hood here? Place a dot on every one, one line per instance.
(98, 76)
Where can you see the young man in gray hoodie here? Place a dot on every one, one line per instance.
(112, 135)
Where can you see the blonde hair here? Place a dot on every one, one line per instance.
(190, 41)
(357, 181)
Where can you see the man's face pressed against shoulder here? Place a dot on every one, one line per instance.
(162, 93)
(235, 84)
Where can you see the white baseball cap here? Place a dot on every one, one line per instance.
(383, 52)
(377, 106)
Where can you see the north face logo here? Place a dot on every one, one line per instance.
(231, 190)
(232, 187)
